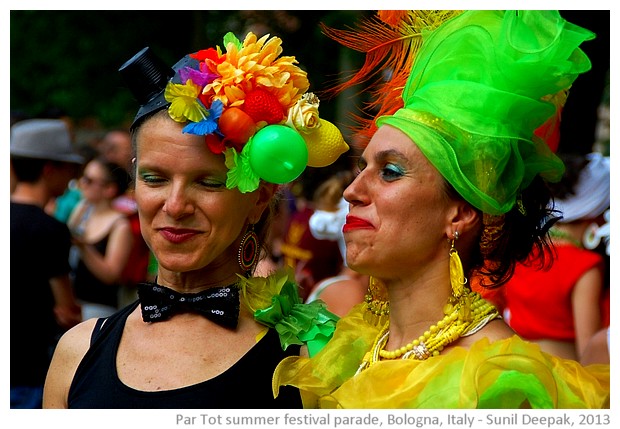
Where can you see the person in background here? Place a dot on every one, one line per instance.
(598, 349)
(13, 179)
(42, 303)
(452, 181)
(63, 205)
(116, 148)
(312, 259)
(102, 238)
(212, 145)
(348, 288)
(559, 306)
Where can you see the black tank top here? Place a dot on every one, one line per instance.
(245, 385)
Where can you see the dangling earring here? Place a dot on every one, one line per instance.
(248, 251)
(457, 276)
(377, 304)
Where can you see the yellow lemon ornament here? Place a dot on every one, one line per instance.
(325, 144)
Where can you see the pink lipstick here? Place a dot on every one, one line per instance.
(177, 236)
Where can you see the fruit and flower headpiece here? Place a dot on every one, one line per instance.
(250, 103)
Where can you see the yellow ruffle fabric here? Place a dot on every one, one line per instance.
(509, 373)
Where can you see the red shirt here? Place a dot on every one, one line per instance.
(539, 301)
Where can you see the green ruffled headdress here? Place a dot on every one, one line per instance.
(483, 91)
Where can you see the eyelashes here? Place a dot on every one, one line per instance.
(154, 179)
(150, 178)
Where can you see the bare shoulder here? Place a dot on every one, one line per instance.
(119, 223)
(494, 330)
(349, 288)
(76, 341)
(342, 295)
(498, 330)
(69, 352)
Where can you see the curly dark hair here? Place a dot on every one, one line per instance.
(520, 235)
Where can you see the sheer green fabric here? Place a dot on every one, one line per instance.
(480, 86)
(275, 303)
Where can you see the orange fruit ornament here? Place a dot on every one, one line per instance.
(262, 105)
(237, 126)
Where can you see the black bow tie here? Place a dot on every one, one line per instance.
(220, 304)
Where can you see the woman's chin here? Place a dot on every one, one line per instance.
(178, 263)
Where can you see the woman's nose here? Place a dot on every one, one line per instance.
(353, 193)
(178, 203)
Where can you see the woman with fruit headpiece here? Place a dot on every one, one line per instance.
(213, 139)
(451, 184)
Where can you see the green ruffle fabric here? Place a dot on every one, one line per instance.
(296, 322)
(277, 304)
(480, 86)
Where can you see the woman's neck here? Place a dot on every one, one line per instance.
(569, 232)
(197, 281)
(416, 305)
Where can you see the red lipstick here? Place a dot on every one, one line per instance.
(353, 223)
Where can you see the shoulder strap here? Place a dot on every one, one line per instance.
(122, 313)
(97, 329)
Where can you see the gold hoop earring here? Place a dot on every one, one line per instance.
(457, 276)
(248, 251)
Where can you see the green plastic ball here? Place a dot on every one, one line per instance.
(278, 154)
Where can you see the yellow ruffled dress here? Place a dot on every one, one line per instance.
(509, 373)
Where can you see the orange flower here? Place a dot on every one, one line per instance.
(256, 64)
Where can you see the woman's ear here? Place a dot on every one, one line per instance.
(465, 218)
(266, 192)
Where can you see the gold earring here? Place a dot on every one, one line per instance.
(457, 276)
(377, 304)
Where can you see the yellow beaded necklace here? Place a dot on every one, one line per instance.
(465, 314)
(462, 318)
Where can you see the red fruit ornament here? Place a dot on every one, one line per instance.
(262, 105)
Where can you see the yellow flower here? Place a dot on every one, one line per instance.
(184, 104)
(255, 64)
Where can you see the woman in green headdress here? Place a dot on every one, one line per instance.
(451, 186)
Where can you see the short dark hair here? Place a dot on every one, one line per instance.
(28, 170)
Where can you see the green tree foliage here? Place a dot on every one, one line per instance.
(68, 60)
